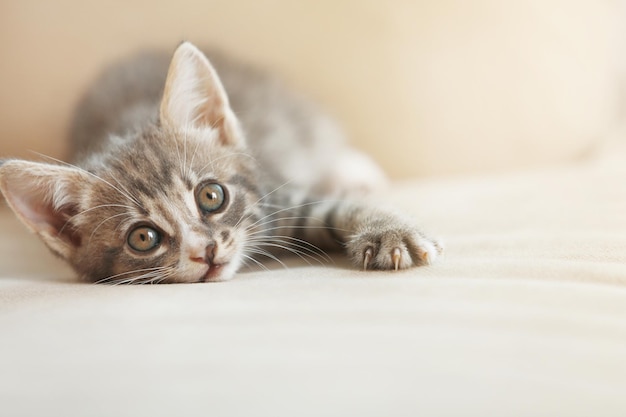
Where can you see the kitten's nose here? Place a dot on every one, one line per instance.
(210, 252)
(206, 257)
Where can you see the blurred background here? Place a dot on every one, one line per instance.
(428, 88)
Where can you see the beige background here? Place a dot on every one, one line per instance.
(427, 87)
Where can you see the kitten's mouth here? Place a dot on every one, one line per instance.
(213, 273)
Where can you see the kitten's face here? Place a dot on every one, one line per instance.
(172, 204)
(169, 206)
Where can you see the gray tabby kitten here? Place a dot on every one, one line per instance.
(176, 181)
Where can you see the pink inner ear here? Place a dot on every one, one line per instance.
(45, 197)
(38, 212)
(31, 198)
(34, 206)
(194, 96)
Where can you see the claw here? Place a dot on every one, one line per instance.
(426, 258)
(367, 258)
(396, 255)
(439, 246)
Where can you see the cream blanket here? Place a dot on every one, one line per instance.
(525, 316)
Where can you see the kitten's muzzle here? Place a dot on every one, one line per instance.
(214, 270)
(209, 255)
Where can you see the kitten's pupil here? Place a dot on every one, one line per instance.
(143, 239)
(211, 197)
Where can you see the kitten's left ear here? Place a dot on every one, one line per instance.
(45, 197)
(195, 98)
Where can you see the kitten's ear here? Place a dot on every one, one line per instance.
(194, 97)
(45, 197)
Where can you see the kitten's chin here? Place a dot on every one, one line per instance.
(217, 273)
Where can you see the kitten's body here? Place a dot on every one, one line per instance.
(183, 183)
(291, 139)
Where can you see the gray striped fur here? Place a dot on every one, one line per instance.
(142, 154)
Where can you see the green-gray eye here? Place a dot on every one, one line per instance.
(144, 239)
(210, 197)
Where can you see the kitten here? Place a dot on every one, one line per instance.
(177, 181)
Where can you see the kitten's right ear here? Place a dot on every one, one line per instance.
(44, 197)
(195, 98)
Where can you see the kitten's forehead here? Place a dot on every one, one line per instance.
(174, 212)
(157, 161)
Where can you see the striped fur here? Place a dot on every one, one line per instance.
(143, 154)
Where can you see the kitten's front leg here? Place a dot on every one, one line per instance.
(373, 238)
(384, 240)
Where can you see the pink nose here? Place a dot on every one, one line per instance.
(210, 252)
(209, 255)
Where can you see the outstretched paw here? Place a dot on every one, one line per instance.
(392, 248)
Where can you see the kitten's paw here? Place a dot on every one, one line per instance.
(392, 248)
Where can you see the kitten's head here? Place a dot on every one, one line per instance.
(174, 203)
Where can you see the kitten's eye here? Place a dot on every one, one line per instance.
(210, 197)
(144, 238)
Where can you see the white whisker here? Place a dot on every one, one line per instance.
(193, 157)
(104, 221)
(268, 229)
(112, 277)
(300, 243)
(124, 194)
(247, 257)
(296, 252)
(292, 208)
(259, 251)
(212, 161)
(91, 209)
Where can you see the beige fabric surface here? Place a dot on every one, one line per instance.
(526, 316)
